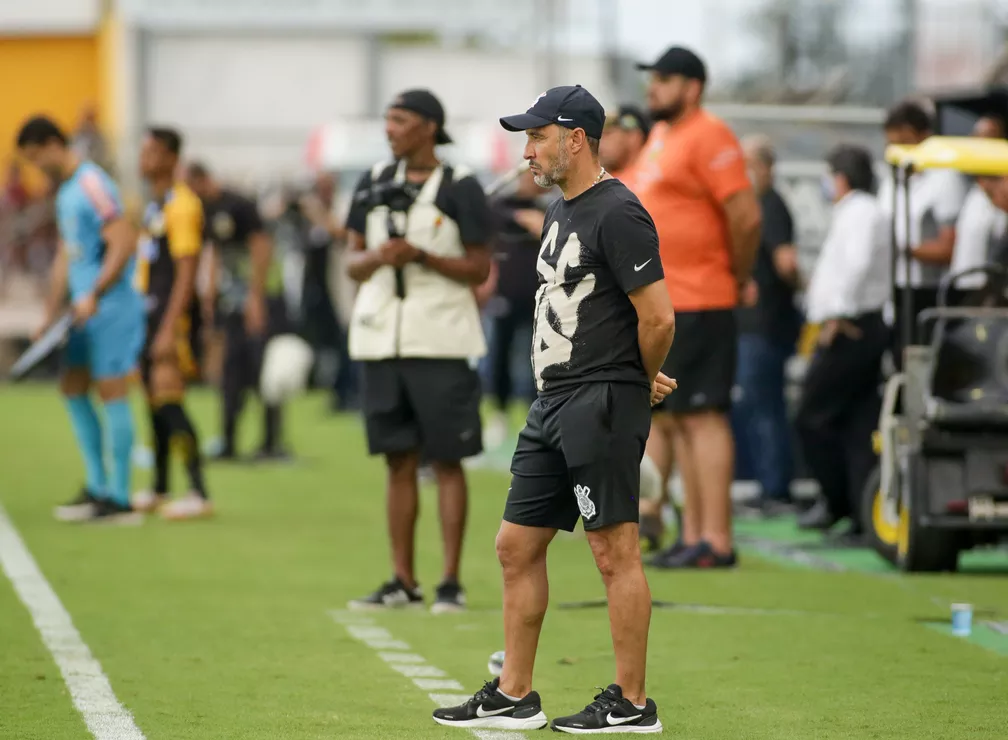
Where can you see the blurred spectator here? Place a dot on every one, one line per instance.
(626, 131)
(692, 180)
(768, 325)
(519, 222)
(88, 141)
(840, 396)
(325, 234)
(936, 199)
(981, 224)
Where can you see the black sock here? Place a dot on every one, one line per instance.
(162, 437)
(272, 417)
(183, 433)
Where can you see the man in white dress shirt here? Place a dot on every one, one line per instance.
(848, 291)
(936, 199)
(981, 224)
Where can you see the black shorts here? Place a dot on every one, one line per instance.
(579, 455)
(702, 361)
(426, 405)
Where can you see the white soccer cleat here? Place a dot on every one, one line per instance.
(193, 506)
(147, 501)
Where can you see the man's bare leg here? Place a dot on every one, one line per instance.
(453, 504)
(402, 507)
(617, 555)
(713, 457)
(522, 554)
(693, 502)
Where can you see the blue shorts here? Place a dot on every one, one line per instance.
(109, 345)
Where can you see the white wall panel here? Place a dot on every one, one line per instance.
(49, 16)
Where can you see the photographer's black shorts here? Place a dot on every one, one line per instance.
(579, 455)
(426, 405)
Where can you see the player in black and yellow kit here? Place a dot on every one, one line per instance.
(166, 274)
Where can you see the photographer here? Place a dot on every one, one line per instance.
(418, 230)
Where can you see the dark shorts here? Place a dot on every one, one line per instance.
(187, 331)
(579, 455)
(702, 361)
(426, 405)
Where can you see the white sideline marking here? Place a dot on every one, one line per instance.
(89, 687)
(410, 664)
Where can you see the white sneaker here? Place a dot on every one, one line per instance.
(193, 506)
(80, 509)
(147, 501)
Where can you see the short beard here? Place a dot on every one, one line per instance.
(669, 112)
(557, 174)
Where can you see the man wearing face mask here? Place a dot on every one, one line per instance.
(849, 288)
(691, 177)
(418, 231)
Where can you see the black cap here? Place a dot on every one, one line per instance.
(678, 61)
(424, 103)
(629, 117)
(570, 106)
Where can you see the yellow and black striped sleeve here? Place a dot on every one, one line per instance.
(184, 224)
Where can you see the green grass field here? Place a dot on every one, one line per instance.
(224, 628)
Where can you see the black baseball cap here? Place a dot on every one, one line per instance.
(570, 106)
(629, 117)
(426, 104)
(678, 61)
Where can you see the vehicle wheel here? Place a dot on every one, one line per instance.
(880, 528)
(921, 549)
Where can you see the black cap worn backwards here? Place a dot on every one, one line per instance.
(678, 61)
(424, 103)
(570, 106)
(628, 118)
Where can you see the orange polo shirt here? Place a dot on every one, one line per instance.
(685, 173)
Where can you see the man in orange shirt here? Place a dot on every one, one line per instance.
(625, 134)
(691, 177)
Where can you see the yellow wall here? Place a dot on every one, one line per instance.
(56, 76)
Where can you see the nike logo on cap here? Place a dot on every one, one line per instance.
(565, 120)
(620, 720)
(481, 712)
(638, 268)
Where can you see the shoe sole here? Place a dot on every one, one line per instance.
(170, 516)
(82, 513)
(447, 608)
(358, 606)
(536, 722)
(654, 729)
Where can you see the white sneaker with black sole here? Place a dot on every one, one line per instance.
(489, 709)
(392, 595)
(611, 714)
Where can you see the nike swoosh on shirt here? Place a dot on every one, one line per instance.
(481, 712)
(620, 720)
(638, 268)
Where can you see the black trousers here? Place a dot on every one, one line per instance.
(506, 329)
(838, 412)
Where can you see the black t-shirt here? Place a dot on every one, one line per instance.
(597, 248)
(774, 314)
(460, 198)
(516, 252)
(228, 223)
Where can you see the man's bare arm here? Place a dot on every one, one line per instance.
(655, 325)
(182, 291)
(472, 269)
(937, 251)
(120, 244)
(362, 263)
(785, 261)
(742, 211)
(57, 297)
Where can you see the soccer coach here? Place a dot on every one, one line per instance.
(604, 325)
(418, 230)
